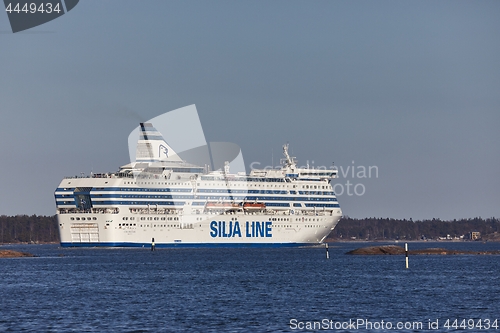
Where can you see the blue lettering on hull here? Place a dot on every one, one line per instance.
(254, 229)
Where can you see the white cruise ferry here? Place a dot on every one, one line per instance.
(160, 200)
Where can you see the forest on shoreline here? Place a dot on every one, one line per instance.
(375, 229)
(43, 229)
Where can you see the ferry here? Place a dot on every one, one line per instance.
(161, 200)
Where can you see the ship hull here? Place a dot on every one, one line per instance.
(189, 245)
(226, 230)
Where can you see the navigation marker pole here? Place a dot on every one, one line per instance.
(406, 254)
(327, 255)
(152, 244)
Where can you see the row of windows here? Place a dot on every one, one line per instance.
(232, 184)
(141, 189)
(317, 192)
(162, 218)
(319, 174)
(280, 219)
(268, 191)
(160, 203)
(288, 199)
(324, 193)
(169, 189)
(268, 201)
(323, 205)
(291, 226)
(213, 197)
(155, 183)
(191, 226)
(83, 218)
(149, 196)
(245, 179)
(154, 226)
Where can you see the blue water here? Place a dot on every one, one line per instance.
(243, 290)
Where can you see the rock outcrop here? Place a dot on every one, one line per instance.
(14, 254)
(395, 250)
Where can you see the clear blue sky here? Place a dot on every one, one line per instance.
(411, 87)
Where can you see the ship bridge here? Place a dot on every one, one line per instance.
(290, 170)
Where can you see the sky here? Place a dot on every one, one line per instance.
(407, 89)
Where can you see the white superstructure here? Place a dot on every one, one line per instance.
(164, 200)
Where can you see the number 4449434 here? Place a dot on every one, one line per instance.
(478, 324)
(33, 8)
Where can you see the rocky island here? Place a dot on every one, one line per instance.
(398, 250)
(14, 254)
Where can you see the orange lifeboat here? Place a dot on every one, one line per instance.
(254, 206)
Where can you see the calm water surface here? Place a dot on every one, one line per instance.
(244, 290)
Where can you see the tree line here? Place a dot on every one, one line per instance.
(28, 229)
(392, 229)
(44, 229)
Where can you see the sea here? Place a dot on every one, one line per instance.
(249, 290)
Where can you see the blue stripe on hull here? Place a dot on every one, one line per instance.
(189, 245)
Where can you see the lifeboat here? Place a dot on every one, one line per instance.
(221, 205)
(254, 206)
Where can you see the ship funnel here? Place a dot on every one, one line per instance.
(151, 146)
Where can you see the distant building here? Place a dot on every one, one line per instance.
(475, 235)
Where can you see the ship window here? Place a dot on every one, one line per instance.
(78, 219)
(94, 218)
(72, 218)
